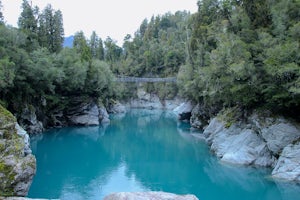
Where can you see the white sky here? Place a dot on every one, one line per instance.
(114, 18)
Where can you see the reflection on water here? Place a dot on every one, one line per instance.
(141, 151)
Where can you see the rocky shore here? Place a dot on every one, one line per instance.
(258, 140)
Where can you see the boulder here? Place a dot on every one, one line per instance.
(198, 118)
(237, 145)
(184, 110)
(288, 165)
(247, 148)
(84, 114)
(149, 196)
(28, 120)
(103, 115)
(280, 134)
(17, 164)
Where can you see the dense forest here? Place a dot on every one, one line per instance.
(230, 53)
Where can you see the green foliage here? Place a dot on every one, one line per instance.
(28, 24)
(7, 73)
(81, 46)
(244, 53)
(99, 82)
(73, 72)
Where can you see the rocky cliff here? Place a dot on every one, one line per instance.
(78, 111)
(257, 139)
(17, 164)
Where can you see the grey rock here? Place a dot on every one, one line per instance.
(184, 110)
(171, 104)
(198, 117)
(25, 136)
(28, 120)
(116, 107)
(288, 165)
(247, 148)
(86, 114)
(146, 100)
(18, 165)
(103, 115)
(212, 129)
(236, 145)
(280, 134)
(149, 196)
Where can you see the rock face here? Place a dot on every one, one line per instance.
(280, 134)
(199, 117)
(116, 107)
(288, 165)
(17, 164)
(184, 110)
(146, 100)
(238, 146)
(149, 196)
(84, 114)
(258, 142)
(28, 120)
(103, 115)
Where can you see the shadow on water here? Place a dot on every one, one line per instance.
(141, 151)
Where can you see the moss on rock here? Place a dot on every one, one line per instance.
(16, 168)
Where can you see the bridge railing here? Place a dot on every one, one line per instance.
(144, 80)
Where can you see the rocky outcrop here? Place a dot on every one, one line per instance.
(17, 164)
(184, 111)
(288, 165)
(149, 196)
(199, 117)
(103, 115)
(28, 120)
(238, 145)
(84, 114)
(278, 133)
(116, 107)
(257, 141)
(145, 100)
(87, 113)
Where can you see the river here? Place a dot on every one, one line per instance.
(143, 150)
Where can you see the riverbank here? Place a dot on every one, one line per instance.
(258, 139)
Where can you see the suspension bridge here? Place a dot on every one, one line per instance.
(130, 79)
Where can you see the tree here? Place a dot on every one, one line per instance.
(99, 82)
(28, 24)
(7, 73)
(112, 51)
(81, 46)
(94, 42)
(96, 46)
(74, 72)
(51, 31)
(58, 33)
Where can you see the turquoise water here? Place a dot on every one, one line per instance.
(142, 151)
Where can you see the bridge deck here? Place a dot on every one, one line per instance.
(144, 80)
